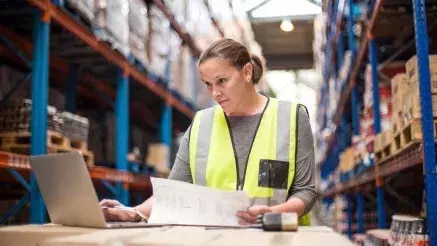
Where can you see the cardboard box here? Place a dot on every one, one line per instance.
(158, 156)
(32, 235)
(102, 237)
(413, 77)
(412, 107)
(411, 65)
(399, 85)
(50, 235)
(198, 236)
(347, 160)
(414, 82)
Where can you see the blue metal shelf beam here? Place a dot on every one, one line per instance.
(427, 117)
(40, 69)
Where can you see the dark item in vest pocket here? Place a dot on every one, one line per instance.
(273, 174)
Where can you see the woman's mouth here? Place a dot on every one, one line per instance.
(223, 102)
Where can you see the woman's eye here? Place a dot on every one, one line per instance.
(221, 81)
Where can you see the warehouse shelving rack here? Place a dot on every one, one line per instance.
(416, 154)
(35, 56)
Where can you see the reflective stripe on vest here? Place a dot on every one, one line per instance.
(212, 158)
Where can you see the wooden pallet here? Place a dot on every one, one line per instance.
(25, 149)
(412, 132)
(75, 144)
(384, 152)
(54, 139)
(397, 124)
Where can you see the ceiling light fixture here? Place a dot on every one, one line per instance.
(287, 26)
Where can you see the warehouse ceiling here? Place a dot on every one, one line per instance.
(284, 50)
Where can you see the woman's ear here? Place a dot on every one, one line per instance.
(247, 72)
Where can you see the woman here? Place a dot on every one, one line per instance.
(249, 141)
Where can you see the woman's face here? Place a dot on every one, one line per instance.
(226, 84)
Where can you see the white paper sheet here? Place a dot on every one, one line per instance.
(177, 202)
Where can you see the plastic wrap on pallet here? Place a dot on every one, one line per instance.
(220, 10)
(113, 24)
(74, 126)
(175, 61)
(16, 115)
(158, 46)
(138, 21)
(138, 28)
(199, 24)
(178, 9)
(188, 82)
(86, 8)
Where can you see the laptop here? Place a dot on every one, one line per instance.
(68, 192)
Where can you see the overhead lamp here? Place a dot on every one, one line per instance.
(286, 26)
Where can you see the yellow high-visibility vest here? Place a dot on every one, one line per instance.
(271, 163)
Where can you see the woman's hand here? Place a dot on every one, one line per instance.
(113, 212)
(250, 216)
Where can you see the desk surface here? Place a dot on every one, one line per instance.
(50, 235)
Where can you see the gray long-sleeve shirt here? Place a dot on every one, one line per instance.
(243, 131)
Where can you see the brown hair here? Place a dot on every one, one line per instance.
(236, 53)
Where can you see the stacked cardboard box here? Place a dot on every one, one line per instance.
(347, 161)
(411, 105)
(158, 156)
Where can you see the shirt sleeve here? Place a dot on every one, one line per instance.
(303, 186)
(181, 168)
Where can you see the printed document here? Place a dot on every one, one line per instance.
(177, 202)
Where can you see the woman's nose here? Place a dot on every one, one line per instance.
(215, 92)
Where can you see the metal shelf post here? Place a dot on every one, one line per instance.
(70, 99)
(427, 117)
(380, 204)
(166, 118)
(354, 94)
(40, 69)
(349, 215)
(373, 57)
(122, 132)
(360, 211)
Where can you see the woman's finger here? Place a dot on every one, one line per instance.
(109, 203)
(258, 209)
(247, 217)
